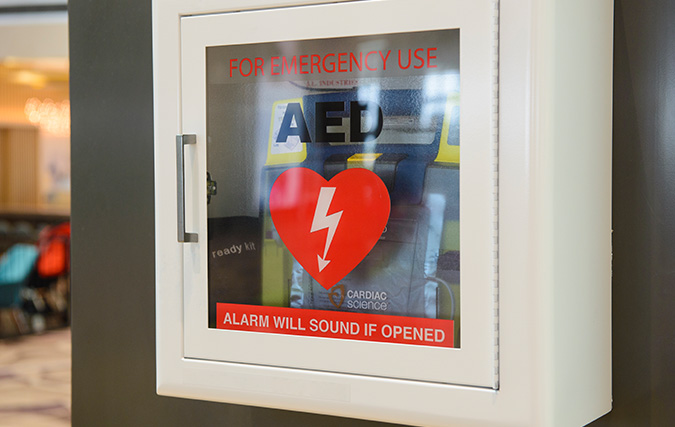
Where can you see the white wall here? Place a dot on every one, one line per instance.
(26, 35)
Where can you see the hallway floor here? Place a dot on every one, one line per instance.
(35, 380)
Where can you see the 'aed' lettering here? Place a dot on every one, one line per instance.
(292, 115)
(294, 124)
(377, 118)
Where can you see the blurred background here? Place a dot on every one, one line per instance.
(35, 348)
(34, 167)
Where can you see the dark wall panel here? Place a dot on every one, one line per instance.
(643, 215)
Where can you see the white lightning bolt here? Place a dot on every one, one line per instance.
(323, 220)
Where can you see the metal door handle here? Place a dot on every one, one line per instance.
(181, 141)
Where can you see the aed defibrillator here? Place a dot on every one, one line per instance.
(410, 140)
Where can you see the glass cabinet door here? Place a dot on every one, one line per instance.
(335, 222)
(337, 171)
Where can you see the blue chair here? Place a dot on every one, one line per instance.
(15, 267)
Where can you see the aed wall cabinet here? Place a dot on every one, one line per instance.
(386, 209)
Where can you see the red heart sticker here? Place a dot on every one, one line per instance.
(329, 226)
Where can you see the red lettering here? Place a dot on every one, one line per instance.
(259, 62)
(250, 67)
(353, 60)
(367, 55)
(384, 59)
(272, 67)
(341, 62)
(232, 67)
(303, 63)
(287, 66)
(430, 57)
(419, 58)
(332, 69)
(315, 61)
(399, 60)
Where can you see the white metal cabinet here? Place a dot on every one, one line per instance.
(533, 211)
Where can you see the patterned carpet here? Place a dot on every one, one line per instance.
(35, 380)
